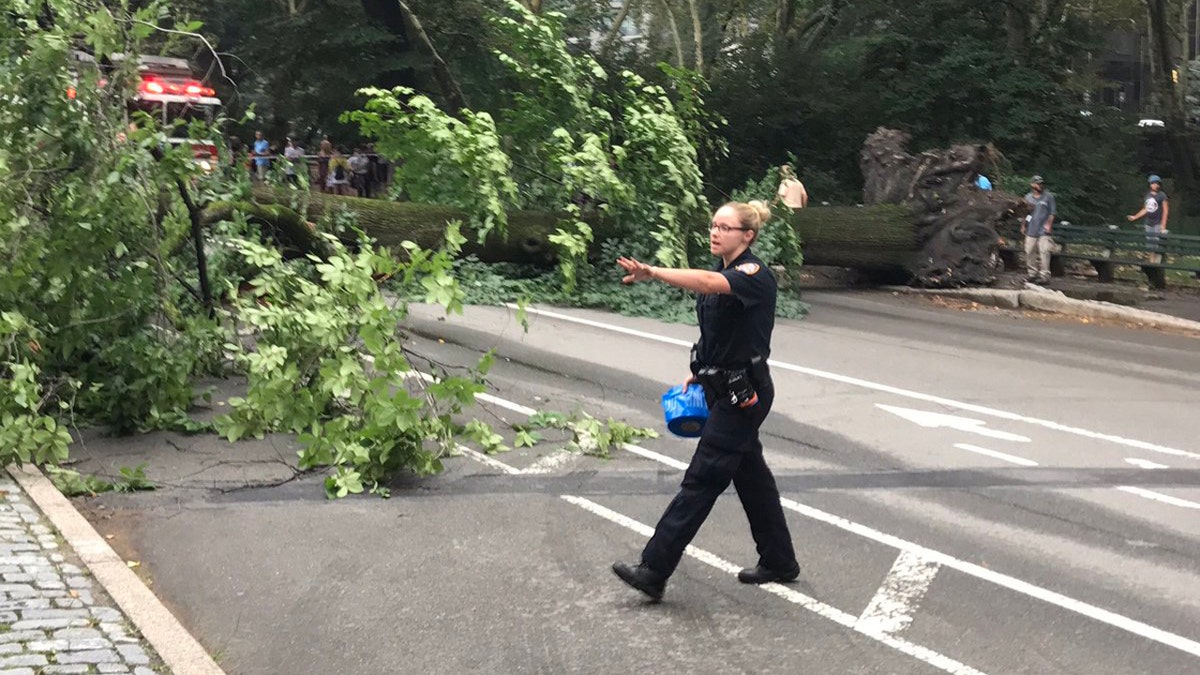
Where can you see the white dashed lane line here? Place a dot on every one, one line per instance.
(1159, 497)
(1145, 463)
(892, 608)
(1012, 459)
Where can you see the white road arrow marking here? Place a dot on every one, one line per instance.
(933, 420)
(1145, 463)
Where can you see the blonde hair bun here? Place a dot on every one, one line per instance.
(760, 207)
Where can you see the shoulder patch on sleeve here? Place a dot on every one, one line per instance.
(749, 269)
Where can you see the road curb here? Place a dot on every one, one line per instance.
(1057, 303)
(181, 653)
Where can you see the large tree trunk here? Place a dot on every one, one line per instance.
(615, 31)
(288, 229)
(879, 239)
(697, 37)
(390, 223)
(674, 26)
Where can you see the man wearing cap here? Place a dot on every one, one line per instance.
(1037, 228)
(1156, 209)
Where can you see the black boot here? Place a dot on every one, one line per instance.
(642, 578)
(765, 575)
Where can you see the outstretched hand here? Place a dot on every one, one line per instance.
(638, 271)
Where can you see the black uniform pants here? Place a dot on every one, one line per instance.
(729, 450)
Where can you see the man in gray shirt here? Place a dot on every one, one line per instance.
(1157, 209)
(1037, 228)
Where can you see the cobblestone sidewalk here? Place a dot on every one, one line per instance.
(52, 618)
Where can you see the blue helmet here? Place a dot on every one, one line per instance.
(1154, 179)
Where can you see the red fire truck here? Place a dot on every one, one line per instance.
(169, 91)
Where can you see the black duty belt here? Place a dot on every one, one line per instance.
(736, 385)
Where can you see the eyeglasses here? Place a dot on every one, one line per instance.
(725, 229)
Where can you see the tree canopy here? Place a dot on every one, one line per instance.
(805, 79)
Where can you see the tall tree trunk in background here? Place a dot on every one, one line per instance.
(697, 37)
(830, 15)
(785, 15)
(1164, 49)
(674, 26)
(615, 31)
(1016, 30)
(400, 20)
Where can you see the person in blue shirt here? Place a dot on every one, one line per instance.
(262, 152)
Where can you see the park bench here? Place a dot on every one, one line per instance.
(1105, 247)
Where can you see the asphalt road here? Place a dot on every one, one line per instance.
(969, 491)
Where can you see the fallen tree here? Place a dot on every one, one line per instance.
(877, 238)
(923, 221)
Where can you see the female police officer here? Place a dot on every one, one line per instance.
(735, 305)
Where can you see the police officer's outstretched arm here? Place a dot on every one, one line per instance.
(696, 281)
(734, 227)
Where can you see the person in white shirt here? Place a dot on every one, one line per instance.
(359, 163)
(791, 191)
(294, 154)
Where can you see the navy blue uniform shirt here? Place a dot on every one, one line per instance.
(737, 326)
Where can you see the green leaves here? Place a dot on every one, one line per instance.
(522, 313)
(133, 479)
(481, 433)
(586, 433)
(344, 482)
(72, 484)
(32, 438)
(564, 138)
(327, 362)
(593, 437)
(447, 160)
(28, 430)
(526, 439)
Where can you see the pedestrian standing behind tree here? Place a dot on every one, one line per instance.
(735, 307)
(235, 150)
(359, 166)
(323, 155)
(1037, 230)
(791, 190)
(1156, 209)
(338, 181)
(384, 172)
(262, 150)
(295, 160)
(373, 172)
